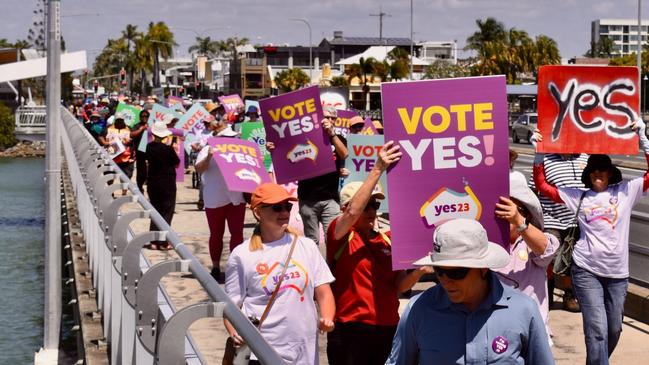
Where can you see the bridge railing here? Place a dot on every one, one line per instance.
(139, 321)
(30, 119)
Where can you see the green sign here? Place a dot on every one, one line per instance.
(255, 132)
(131, 113)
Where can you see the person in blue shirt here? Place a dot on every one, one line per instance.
(470, 318)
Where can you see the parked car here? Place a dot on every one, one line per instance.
(524, 127)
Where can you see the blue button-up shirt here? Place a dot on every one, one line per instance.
(506, 328)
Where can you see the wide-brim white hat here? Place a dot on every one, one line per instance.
(227, 132)
(463, 243)
(520, 191)
(160, 130)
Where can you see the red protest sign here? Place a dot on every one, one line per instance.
(588, 109)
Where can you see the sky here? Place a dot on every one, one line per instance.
(87, 24)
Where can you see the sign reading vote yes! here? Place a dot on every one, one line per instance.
(292, 123)
(455, 163)
(240, 162)
(363, 152)
(588, 109)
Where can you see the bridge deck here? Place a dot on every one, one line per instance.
(210, 335)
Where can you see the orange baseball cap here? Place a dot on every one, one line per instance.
(356, 120)
(269, 193)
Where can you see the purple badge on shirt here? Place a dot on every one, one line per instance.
(499, 345)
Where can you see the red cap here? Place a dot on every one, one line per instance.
(269, 194)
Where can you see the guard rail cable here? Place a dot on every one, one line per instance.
(139, 321)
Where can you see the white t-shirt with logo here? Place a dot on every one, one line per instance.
(291, 327)
(604, 220)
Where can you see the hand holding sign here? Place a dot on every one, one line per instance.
(388, 155)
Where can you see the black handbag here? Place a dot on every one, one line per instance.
(563, 260)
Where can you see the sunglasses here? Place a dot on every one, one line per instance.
(357, 127)
(373, 205)
(279, 207)
(453, 274)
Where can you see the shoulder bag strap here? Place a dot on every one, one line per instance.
(279, 284)
(579, 206)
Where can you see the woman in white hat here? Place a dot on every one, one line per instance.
(530, 250)
(162, 161)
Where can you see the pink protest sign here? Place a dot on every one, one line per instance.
(231, 102)
(241, 163)
(455, 163)
(292, 123)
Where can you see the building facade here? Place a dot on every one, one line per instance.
(623, 33)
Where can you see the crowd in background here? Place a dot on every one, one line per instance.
(352, 292)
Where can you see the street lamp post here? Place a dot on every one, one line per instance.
(639, 51)
(52, 306)
(310, 47)
(411, 41)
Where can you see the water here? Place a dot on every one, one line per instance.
(22, 204)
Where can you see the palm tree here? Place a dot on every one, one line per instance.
(161, 41)
(130, 34)
(291, 79)
(205, 46)
(143, 60)
(489, 30)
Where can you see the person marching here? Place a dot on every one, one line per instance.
(366, 288)
(274, 277)
(600, 257)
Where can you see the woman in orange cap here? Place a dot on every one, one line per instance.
(277, 263)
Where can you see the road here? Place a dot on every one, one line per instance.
(639, 232)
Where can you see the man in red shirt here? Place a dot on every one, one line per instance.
(366, 289)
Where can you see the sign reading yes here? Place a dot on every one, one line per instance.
(453, 134)
(292, 123)
(588, 109)
(240, 163)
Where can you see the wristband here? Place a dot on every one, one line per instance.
(522, 227)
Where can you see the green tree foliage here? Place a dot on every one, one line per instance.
(631, 60)
(7, 126)
(604, 47)
(131, 35)
(441, 69)
(509, 52)
(205, 46)
(291, 79)
(400, 64)
(161, 42)
(339, 81)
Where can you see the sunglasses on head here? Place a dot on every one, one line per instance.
(279, 207)
(453, 274)
(373, 205)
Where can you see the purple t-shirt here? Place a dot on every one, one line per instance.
(604, 220)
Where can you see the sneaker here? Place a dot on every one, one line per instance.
(570, 303)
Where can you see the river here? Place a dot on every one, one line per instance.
(22, 203)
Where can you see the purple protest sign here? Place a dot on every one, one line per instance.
(341, 126)
(455, 163)
(292, 123)
(231, 102)
(241, 163)
(368, 128)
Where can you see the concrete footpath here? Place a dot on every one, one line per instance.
(210, 334)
